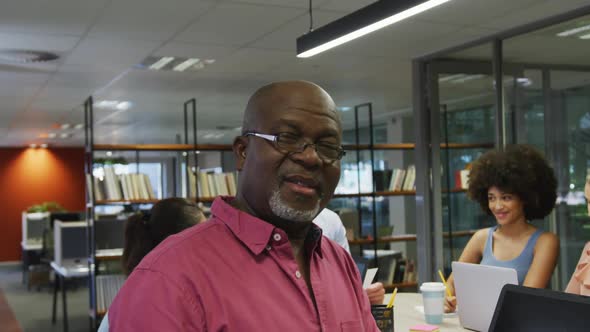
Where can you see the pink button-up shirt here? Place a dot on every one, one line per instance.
(237, 273)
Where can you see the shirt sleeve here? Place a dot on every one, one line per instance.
(365, 306)
(340, 237)
(574, 286)
(150, 301)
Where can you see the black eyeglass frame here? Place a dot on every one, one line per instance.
(275, 138)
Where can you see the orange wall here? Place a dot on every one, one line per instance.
(32, 176)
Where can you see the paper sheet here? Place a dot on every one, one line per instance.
(369, 276)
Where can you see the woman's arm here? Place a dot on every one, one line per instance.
(573, 286)
(471, 254)
(544, 261)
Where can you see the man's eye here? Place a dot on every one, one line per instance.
(289, 138)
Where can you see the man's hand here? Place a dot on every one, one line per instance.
(376, 293)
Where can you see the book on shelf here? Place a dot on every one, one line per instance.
(107, 287)
(462, 179)
(382, 179)
(211, 184)
(399, 272)
(115, 187)
(403, 179)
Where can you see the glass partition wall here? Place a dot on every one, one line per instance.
(528, 85)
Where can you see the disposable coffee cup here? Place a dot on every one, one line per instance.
(433, 296)
(383, 317)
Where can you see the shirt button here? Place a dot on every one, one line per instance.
(298, 274)
(268, 248)
(277, 237)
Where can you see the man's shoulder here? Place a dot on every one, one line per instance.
(183, 247)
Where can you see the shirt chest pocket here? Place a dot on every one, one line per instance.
(351, 326)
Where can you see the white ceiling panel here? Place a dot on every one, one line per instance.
(110, 53)
(20, 82)
(473, 12)
(284, 38)
(134, 19)
(284, 3)
(71, 17)
(199, 51)
(345, 5)
(541, 9)
(37, 42)
(253, 42)
(237, 24)
(532, 49)
(250, 60)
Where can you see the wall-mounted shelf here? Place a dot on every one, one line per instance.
(410, 146)
(124, 202)
(162, 147)
(401, 285)
(406, 237)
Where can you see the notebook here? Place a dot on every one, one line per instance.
(477, 288)
(527, 309)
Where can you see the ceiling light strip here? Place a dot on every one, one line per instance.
(357, 24)
(186, 64)
(574, 31)
(161, 63)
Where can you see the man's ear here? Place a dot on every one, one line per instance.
(240, 146)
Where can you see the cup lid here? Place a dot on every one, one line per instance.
(432, 286)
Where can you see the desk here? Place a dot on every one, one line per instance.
(31, 255)
(405, 314)
(62, 274)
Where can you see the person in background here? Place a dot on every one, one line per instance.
(580, 280)
(259, 263)
(333, 229)
(515, 186)
(143, 232)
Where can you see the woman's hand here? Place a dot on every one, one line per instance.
(450, 304)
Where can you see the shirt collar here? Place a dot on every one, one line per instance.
(253, 232)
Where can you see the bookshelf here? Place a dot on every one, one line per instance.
(104, 283)
(379, 206)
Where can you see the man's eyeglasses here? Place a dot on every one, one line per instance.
(296, 144)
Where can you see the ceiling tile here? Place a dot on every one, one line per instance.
(541, 9)
(250, 60)
(36, 42)
(71, 17)
(110, 53)
(189, 50)
(345, 5)
(134, 19)
(284, 38)
(284, 3)
(237, 23)
(454, 12)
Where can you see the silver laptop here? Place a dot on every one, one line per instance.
(477, 288)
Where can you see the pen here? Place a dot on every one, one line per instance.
(390, 304)
(442, 278)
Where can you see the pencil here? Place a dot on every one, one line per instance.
(390, 304)
(442, 278)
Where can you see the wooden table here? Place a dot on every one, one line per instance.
(406, 314)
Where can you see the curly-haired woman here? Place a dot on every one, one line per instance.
(514, 186)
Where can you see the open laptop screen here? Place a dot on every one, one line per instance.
(527, 309)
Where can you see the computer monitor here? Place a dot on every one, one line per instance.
(70, 243)
(527, 309)
(65, 216)
(33, 227)
(109, 233)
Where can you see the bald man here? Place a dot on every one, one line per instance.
(259, 263)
